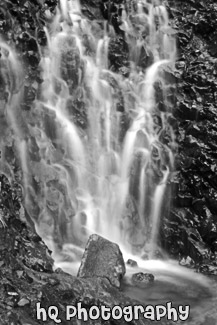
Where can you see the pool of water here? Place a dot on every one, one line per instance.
(172, 283)
(199, 292)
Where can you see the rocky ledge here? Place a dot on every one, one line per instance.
(190, 230)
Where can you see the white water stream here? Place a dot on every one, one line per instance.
(105, 171)
(102, 163)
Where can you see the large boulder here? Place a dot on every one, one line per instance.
(103, 259)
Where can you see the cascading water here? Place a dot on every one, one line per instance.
(93, 152)
(101, 168)
(96, 149)
(104, 168)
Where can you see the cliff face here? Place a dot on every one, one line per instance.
(191, 229)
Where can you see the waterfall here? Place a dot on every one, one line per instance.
(93, 171)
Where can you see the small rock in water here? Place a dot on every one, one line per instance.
(187, 262)
(139, 279)
(132, 263)
(102, 258)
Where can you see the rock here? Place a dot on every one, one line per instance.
(142, 279)
(118, 55)
(208, 269)
(102, 258)
(53, 281)
(77, 108)
(194, 245)
(196, 118)
(20, 274)
(23, 302)
(187, 262)
(132, 263)
(183, 200)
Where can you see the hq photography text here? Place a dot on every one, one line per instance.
(128, 313)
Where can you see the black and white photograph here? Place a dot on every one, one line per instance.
(108, 162)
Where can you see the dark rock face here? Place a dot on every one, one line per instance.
(191, 228)
(103, 259)
(118, 55)
(22, 254)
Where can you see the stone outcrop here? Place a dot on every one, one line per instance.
(103, 259)
(190, 230)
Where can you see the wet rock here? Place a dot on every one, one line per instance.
(41, 37)
(111, 11)
(102, 258)
(34, 149)
(32, 58)
(208, 269)
(187, 262)
(71, 64)
(78, 109)
(118, 55)
(195, 246)
(142, 279)
(29, 95)
(209, 231)
(186, 111)
(132, 263)
(131, 225)
(183, 200)
(23, 302)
